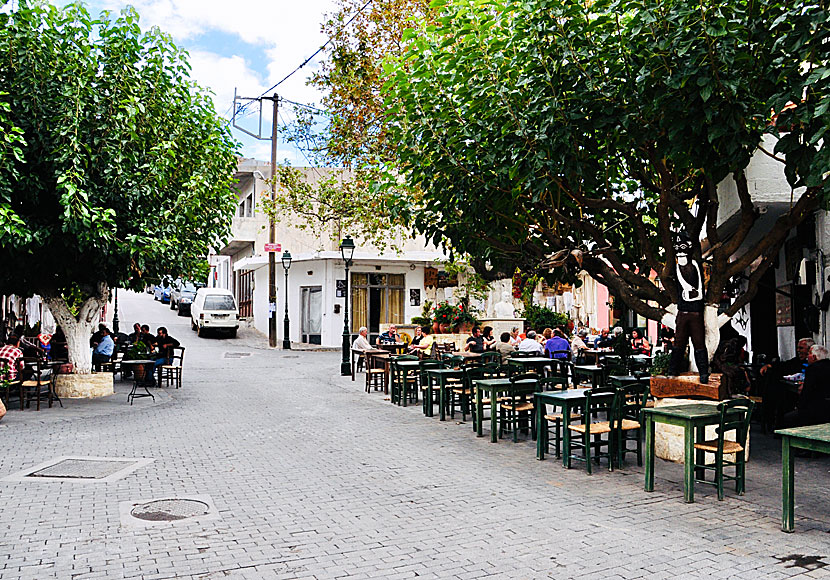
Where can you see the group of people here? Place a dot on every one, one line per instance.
(159, 346)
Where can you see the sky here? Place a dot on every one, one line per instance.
(247, 44)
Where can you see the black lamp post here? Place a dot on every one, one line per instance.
(286, 264)
(347, 251)
(115, 314)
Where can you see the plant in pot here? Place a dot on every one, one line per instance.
(424, 319)
(444, 316)
(464, 319)
(139, 350)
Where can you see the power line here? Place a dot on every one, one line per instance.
(304, 106)
(318, 51)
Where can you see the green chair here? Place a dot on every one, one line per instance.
(519, 405)
(734, 416)
(553, 421)
(627, 424)
(590, 432)
(490, 357)
(423, 367)
(403, 383)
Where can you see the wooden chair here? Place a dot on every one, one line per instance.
(519, 405)
(41, 383)
(375, 376)
(627, 422)
(403, 381)
(172, 373)
(734, 416)
(553, 421)
(490, 357)
(596, 401)
(426, 390)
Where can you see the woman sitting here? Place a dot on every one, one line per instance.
(639, 344)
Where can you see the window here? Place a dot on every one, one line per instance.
(246, 207)
(219, 303)
(377, 299)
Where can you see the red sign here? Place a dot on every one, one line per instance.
(273, 247)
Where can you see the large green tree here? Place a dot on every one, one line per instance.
(120, 171)
(577, 134)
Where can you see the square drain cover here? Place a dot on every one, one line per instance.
(81, 469)
(237, 354)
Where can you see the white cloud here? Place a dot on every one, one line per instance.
(221, 74)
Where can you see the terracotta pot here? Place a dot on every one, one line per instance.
(444, 327)
(66, 369)
(464, 328)
(436, 328)
(140, 372)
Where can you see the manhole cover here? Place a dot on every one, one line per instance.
(169, 510)
(80, 469)
(237, 354)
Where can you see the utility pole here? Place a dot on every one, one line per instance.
(272, 236)
(272, 230)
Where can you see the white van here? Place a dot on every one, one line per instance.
(214, 308)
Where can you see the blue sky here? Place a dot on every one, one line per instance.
(246, 44)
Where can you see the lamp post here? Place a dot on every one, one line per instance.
(347, 251)
(286, 264)
(115, 313)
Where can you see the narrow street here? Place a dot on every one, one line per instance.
(313, 478)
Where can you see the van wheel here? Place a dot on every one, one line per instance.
(200, 331)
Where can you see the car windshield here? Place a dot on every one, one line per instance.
(219, 303)
(189, 288)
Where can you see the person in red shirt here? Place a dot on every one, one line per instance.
(12, 357)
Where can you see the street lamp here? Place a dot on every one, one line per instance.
(347, 251)
(115, 314)
(286, 264)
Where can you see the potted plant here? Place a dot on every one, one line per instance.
(444, 316)
(139, 350)
(464, 320)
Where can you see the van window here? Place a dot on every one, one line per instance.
(219, 303)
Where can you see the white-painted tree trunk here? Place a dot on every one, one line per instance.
(78, 329)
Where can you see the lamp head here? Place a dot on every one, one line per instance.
(347, 249)
(286, 259)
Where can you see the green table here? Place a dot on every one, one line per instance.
(694, 419)
(811, 438)
(406, 366)
(441, 375)
(566, 400)
(593, 371)
(530, 363)
(620, 380)
(492, 387)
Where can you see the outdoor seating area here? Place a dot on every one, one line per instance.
(588, 415)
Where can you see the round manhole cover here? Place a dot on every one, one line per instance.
(169, 510)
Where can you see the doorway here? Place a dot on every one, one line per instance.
(311, 311)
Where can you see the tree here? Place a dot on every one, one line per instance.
(575, 135)
(124, 169)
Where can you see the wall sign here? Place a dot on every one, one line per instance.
(340, 289)
(415, 297)
(784, 306)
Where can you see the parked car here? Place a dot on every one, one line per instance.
(214, 308)
(182, 297)
(162, 291)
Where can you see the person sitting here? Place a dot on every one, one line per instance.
(475, 343)
(148, 339)
(135, 336)
(639, 344)
(489, 339)
(530, 344)
(103, 349)
(96, 337)
(12, 357)
(503, 347)
(727, 360)
(778, 400)
(558, 344)
(425, 342)
(419, 336)
(361, 343)
(515, 339)
(578, 343)
(165, 345)
(813, 406)
(391, 336)
(604, 340)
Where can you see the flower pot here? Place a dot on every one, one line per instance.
(444, 327)
(464, 328)
(140, 372)
(436, 328)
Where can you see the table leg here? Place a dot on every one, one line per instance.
(442, 412)
(428, 395)
(402, 392)
(541, 430)
(479, 413)
(649, 486)
(688, 464)
(566, 434)
(700, 456)
(788, 485)
(494, 416)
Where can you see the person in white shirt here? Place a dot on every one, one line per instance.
(515, 339)
(530, 344)
(362, 341)
(578, 343)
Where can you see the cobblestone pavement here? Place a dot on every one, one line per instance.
(313, 478)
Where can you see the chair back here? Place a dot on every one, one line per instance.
(427, 364)
(41, 372)
(522, 354)
(178, 356)
(629, 400)
(490, 357)
(598, 400)
(400, 357)
(524, 384)
(734, 416)
(452, 361)
(568, 355)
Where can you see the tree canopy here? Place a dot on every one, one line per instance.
(583, 134)
(115, 167)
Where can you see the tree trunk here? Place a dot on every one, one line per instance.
(78, 328)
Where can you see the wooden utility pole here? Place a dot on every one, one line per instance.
(272, 235)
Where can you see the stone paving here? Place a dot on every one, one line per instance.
(313, 478)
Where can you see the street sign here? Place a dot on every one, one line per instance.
(273, 247)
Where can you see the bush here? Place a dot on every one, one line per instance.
(540, 317)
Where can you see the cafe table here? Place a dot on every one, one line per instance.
(596, 353)
(441, 376)
(356, 354)
(694, 418)
(492, 387)
(567, 400)
(392, 347)
(593, 371)
(530, 363)
(811, 438)
(143, 383)
(407, 366)
(620, 380)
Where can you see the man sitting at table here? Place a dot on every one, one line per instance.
(103, 349)
(530, 344)
(361, 343)
(165, 345)
(557, 344)
(604, 340)
(503, 347)
(813, 407)
(475, 343)
(12, 357)
(578, 343)
(391, 336)
(777, 399)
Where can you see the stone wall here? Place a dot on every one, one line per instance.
(84, 386)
